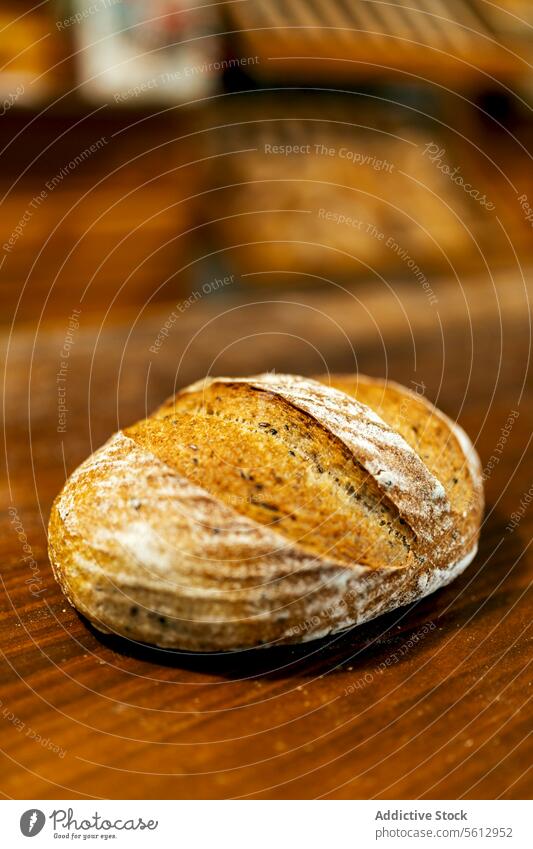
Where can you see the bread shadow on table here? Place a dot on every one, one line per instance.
(478, 592)
(321, 656)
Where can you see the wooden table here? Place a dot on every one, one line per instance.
(369, 713)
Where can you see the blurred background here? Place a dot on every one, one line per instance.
(257, 184)
(149, 148)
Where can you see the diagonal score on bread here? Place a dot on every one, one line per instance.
(397, 470)
(268, 509)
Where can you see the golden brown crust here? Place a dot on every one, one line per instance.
(147, 544)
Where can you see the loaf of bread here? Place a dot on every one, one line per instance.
(266, 510)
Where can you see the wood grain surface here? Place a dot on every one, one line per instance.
(431, 701)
